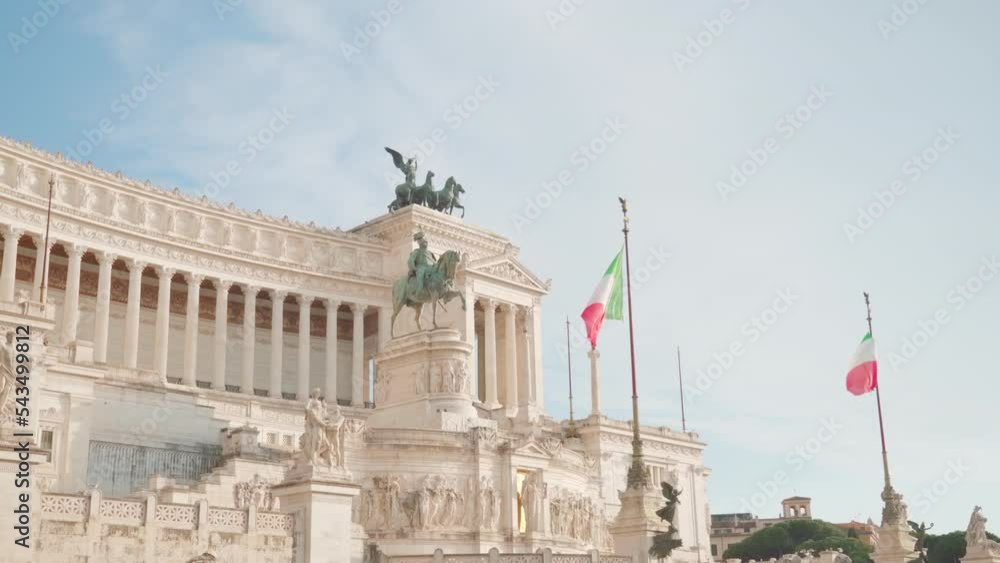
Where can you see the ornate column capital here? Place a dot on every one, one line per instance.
(222, 286)
(250, 290)
(10, 231)
(194, 279)
(135, 267)
(305, 300)
(332, 305)
(358, 308)
(105, 259)
(510, 308)
(39, 240)
(74, 251)
(165, 272)
(279, 295)
(489, 304)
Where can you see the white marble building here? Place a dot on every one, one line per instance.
(185, 336)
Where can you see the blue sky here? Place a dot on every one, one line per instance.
(840, 111)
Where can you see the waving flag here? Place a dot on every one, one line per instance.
(863, 375)
(606, 302)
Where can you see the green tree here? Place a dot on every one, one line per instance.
(796, 535)
(948, 548)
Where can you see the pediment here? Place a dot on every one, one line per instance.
(507, 268)
(532, 449)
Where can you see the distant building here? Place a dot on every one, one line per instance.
(732, 528)
(729, 529)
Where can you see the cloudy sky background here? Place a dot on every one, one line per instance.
(556, 86)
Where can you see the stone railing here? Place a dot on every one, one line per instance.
(494, 556)
(130, 530)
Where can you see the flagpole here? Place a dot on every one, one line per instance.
(638, 477)
(569, 369)
(45, 248)
(878, 401)
(680, 382)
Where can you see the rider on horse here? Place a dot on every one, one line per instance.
(418, 265)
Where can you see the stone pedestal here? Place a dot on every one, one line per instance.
(637, 522)
(321, 500)
(895, 544)
(981, 556)
(423, 380)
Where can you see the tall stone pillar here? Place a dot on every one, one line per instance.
(358, 354)
(71, 303)
(332, 306)
(595, 393)
(40, 261)
(191, 329)
(490, 335)
(510, 352)
(384, 326)
(165, 276)
(637, 522)
(102, 313)
(277, 341)
(221, 334)
(8, 271)
(249, 338)
(537, 367)
(469, 330)
(895, 544)
(305, 346)
(132, 313)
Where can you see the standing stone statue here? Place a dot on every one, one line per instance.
(976, 540)
(429, 280)
(323, 440)
(531, 500)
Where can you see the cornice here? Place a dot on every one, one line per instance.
(65, 167)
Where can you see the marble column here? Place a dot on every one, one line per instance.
(249, 338)
(220, 337)
(510, 354)
(8, 271)
(102, 312)
(469, 330)
(536, 350)
(132, 313)
(305, 346)
(529, 350)
(277, 341)
(384, 326)
(40, 262)
(358, 355)
(165, 276)
(490, 336)
(595, 394)
(191, 329)
(332, 305)
(71, 301)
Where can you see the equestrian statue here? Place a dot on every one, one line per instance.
(429, 280)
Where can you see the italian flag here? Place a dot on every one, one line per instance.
(606, 302)
(863, 375)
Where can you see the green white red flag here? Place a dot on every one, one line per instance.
(863, 374)
(606, 302)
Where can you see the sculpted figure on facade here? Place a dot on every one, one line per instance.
(531, 500)
(255, 492)
(489, 504)
(323, 440)
(8, 377)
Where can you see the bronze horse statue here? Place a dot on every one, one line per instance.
(438, 283)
